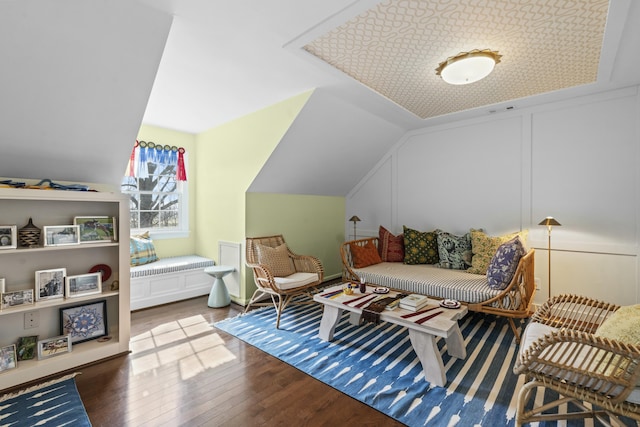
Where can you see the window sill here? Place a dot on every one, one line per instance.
(163, 234)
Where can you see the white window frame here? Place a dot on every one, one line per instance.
(182, 231)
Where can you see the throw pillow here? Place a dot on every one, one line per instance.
(390, 247)
(276, 259)
(454, 251)
(420, 247)
(484, 247)
(364, 256)
(141, 250)
(623, 325)
(504, 263)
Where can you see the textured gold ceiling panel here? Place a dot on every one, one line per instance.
(395, 48)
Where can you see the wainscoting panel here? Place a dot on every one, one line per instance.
(230, 253)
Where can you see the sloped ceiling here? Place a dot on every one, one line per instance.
(75, 80)
(78, 77)
(322, 153)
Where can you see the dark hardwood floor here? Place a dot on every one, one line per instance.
(184, 372)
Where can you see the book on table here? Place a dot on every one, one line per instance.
(414, 302)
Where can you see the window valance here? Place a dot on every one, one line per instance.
(147, 151)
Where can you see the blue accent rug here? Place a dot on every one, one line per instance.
(377, 366)
(55, 403)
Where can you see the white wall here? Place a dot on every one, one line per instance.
(576, 160)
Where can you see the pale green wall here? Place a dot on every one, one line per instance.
(229, 158)
(311, 225)
(177, 246)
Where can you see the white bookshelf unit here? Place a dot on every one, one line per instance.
(18, 267)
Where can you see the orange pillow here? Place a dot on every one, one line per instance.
(364, 256)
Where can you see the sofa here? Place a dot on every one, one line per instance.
(440, 281)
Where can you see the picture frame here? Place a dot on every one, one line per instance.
(27, 347)
(8, 236)
(8, 359)
(50, 283)
(61, 235)
(83, 284)
(16, 298)
(96, 229)
(84, 322)
(55, 346)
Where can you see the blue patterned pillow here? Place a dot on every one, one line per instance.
(454, 251)
(504, 263)
(141, 250)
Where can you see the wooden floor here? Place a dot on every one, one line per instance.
(184, 372)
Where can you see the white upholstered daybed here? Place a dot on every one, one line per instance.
(513, 302)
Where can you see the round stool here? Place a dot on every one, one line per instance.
(219, 295)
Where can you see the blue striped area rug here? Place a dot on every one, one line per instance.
(377, 365)
(54, 403)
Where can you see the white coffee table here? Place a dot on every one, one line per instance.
(422, 336)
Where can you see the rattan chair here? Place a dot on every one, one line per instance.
(307, 275)
(560, 352)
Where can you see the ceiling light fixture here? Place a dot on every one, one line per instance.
(468, 67)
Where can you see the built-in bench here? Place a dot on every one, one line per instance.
(170, 279)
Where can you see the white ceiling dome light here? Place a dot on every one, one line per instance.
(468, 67)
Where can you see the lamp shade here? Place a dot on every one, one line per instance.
(354, 218)
(549, 221)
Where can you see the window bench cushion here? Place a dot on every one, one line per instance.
(171, 265)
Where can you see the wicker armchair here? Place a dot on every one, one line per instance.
(559, 351)
(305, 273)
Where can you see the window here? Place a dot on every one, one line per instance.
(158, 197)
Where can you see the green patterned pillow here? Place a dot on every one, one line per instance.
(420, 247)
(484, 247)
(454, 251)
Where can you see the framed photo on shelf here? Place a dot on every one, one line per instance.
(15, 298)
(27, 347)
(50, 283)
(61, 235)
(8, 236)
(83, 284)
(96, 229)
(54, 346)
(8, 358)
(84, 322)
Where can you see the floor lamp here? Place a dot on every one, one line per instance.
(354, 219)
(549, 222)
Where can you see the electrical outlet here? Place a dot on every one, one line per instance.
(537, 282)
(31, 320)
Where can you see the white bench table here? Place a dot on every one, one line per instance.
(422, 336)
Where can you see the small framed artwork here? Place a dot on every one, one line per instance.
(50, 283)
(61, 235)
(27, 347)
(96, 229)
(84, 322)
(8, 358)
(15, 298)
(54, 346)
(8, 236)
(83, 284)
